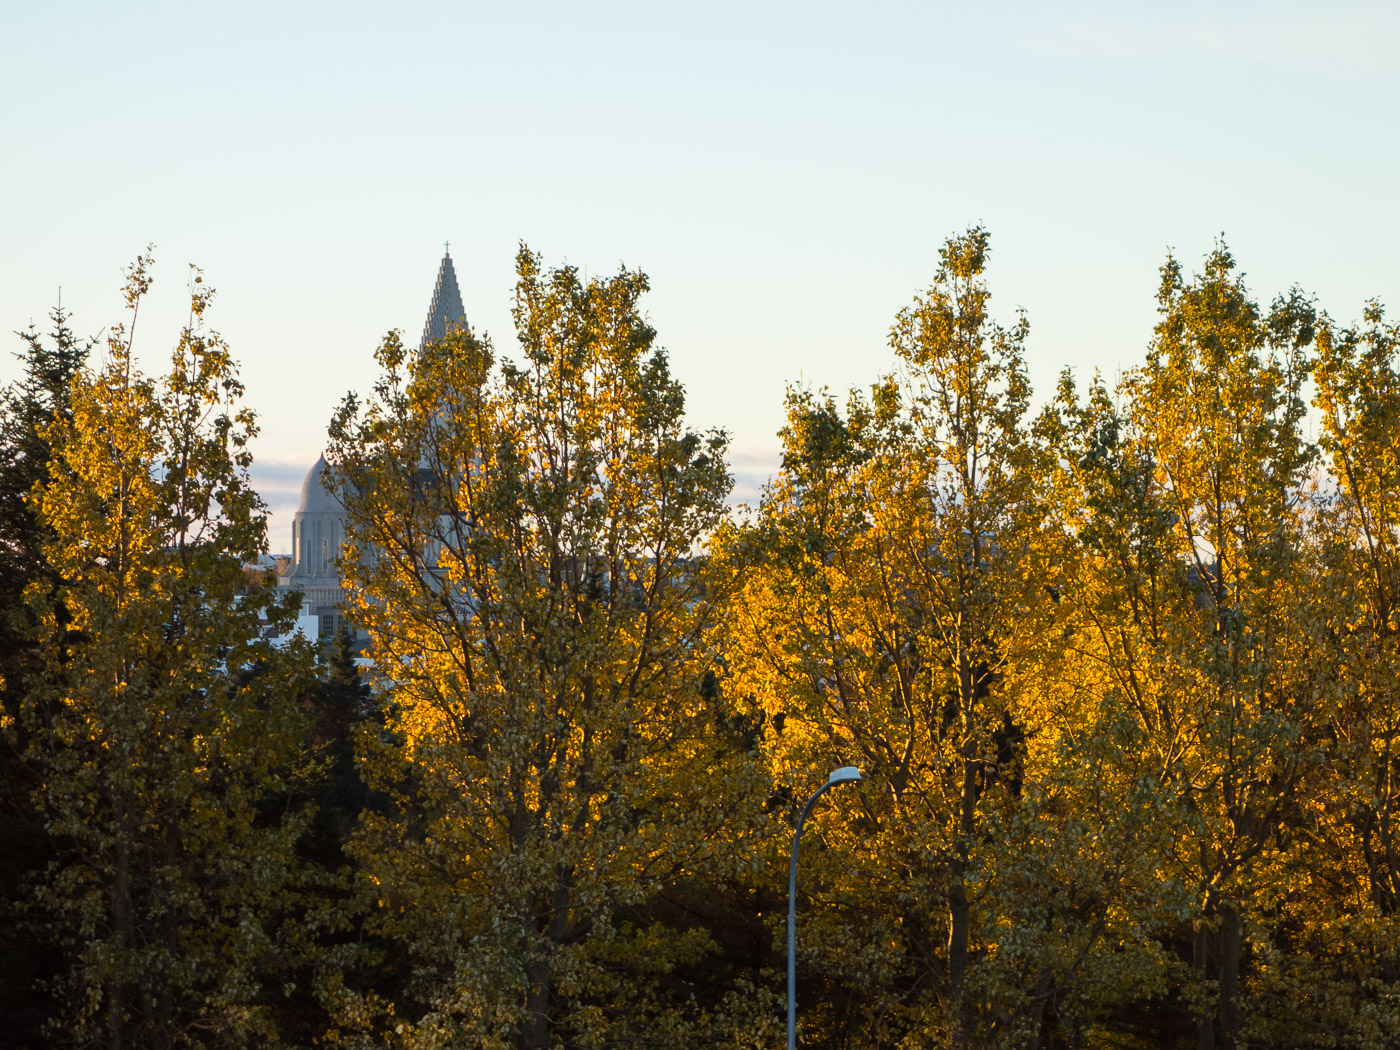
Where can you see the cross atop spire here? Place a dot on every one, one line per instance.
(446, 310)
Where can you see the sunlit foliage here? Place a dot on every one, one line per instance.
(160, 721)
(526, 554)
(1121, 674)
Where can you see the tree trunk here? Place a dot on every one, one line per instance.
(164, 1035)
(959, 911)
(539, 1000)
(1205, 1032)
(124, 925)
(1042, 1026)
(1229, 968)
(535, 1035)
(958, 920)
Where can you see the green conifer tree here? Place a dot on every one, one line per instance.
(28, 408)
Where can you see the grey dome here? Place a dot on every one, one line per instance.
(318, 529)
(315, 497)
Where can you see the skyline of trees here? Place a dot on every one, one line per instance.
(1121, 671)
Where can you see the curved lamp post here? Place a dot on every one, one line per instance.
(844, 775)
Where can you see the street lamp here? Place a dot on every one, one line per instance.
(844, 775)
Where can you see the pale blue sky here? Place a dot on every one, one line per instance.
(785, 174)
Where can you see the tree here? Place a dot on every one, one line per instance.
(340, 705)
(36, 401)
(27, 409)
(1117, 686)
(898, 611)
(1342, 975)
(1231, 706)
(160, 719)
(523, 552)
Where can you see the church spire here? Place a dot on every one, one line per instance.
(446, 309)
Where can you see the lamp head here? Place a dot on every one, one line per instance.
(844, 775)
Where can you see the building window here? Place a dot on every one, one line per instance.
(325, 556)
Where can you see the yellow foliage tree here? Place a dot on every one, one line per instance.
(161, 720)
(524, 544)
(1340, 971)
(1218, 409)
(898, 611)
(1193, 601)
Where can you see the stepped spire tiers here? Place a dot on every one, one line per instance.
(318, 529)
(446, 309)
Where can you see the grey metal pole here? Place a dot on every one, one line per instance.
(844, 775)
